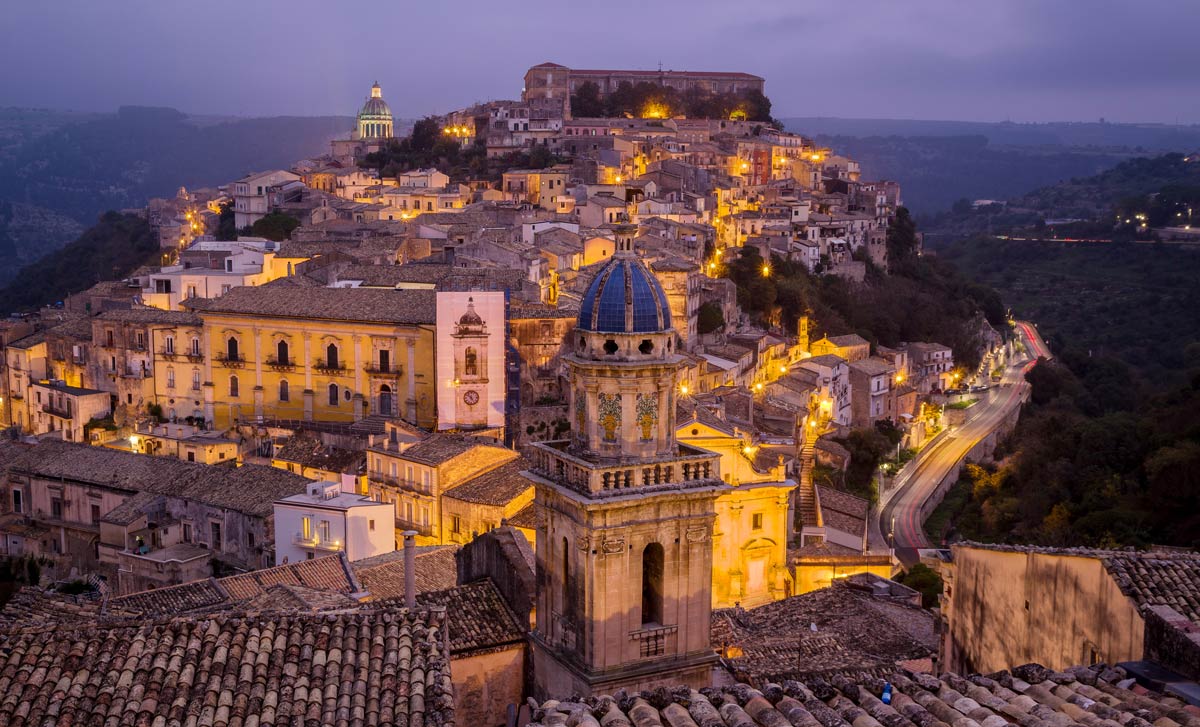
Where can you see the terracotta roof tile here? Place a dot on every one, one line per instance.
(479, 619)
(330, 574)
(856, 634)
(499, 486)
(373, 305)
(1029, 695)
(382, 665)
(383, 575)
(251, 489)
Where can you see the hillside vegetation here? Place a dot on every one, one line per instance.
(1107, 451)
(109, 250)
(64, 169)
(934, 172)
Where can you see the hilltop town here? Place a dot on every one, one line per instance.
(494, 406)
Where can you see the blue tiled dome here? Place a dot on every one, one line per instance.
(625, 297)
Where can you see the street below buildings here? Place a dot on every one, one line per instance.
(900, 508)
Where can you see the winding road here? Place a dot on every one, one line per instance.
(901, 505)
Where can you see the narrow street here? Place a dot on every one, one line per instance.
(900, 507)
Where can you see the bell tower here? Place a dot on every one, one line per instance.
(470, 339)
(624, 548)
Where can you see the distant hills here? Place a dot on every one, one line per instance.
(1150, 137)
(940, 162)
(1166, 185)
(59, 171)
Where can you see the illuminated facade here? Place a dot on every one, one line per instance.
(326, 354)
(624, 546)
(375, 117)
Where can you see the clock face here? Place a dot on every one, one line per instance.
(471, 398)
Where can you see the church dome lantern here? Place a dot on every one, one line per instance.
(374, 119)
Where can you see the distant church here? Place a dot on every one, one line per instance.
(375, 117)
(373, 127)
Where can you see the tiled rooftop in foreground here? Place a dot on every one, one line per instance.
(1028, 696)
(368, 666)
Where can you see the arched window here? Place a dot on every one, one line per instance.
(331, 356)
(170, 378)
(195, 379)
(652, 584)
(195, 346)
(333, 395)
(284, 392)
(281, 353)
(471, 363)
(169, 344)
(233, 386)
(231, 349)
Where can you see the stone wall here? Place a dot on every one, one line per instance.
(503, 555)
(1008, 608)
(1172, 641)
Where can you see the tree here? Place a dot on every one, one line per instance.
(622, 101)
(540, 157)
(226, 225)
(710, 318)
(758, 106)
(925, 580)
(901, 240)
(275, 226)
(586, 101)
(425, 134)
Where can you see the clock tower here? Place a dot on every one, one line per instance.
(626, 513)
(470, 339)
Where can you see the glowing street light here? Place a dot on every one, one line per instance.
(766, 270)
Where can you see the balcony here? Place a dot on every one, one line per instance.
(322, 366)
(401, 483)
(426, 530)
(688, 467)
(56, 411)
(654, 640)
(234, 362)
(194, 356)
(277, 364)
(375, 369)
(166, 355)
(314, 541)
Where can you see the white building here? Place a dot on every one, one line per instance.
(244, 265)
(833, 384)
(423, 178)
(328, 520)
(56, 407)
(252, 195)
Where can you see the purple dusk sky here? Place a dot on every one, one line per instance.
(1024, 60)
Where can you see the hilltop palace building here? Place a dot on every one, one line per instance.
(550, 80)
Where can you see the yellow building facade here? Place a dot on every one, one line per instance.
(750, 535)
(324, 354)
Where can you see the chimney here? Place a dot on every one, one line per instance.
(410, 569)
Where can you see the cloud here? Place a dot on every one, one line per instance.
(1027, 59)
